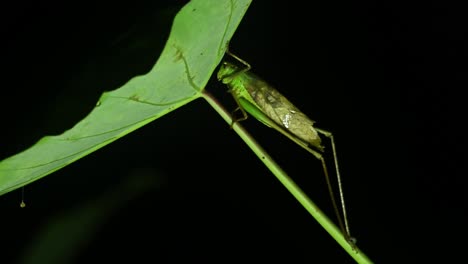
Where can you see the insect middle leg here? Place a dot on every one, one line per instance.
(239, 108)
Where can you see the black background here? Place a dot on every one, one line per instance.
(387, 79)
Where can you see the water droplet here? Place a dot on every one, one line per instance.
(98, 103)
(22, 204)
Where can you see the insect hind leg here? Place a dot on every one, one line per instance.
(340, 187)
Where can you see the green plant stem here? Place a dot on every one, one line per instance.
(287, 182)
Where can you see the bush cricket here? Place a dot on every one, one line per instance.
(256, 97)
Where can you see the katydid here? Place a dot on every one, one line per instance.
(256, 97)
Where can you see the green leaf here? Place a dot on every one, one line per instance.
(195, 47)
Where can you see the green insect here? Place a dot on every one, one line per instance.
(256, 97)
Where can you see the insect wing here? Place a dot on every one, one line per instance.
(282, 111)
